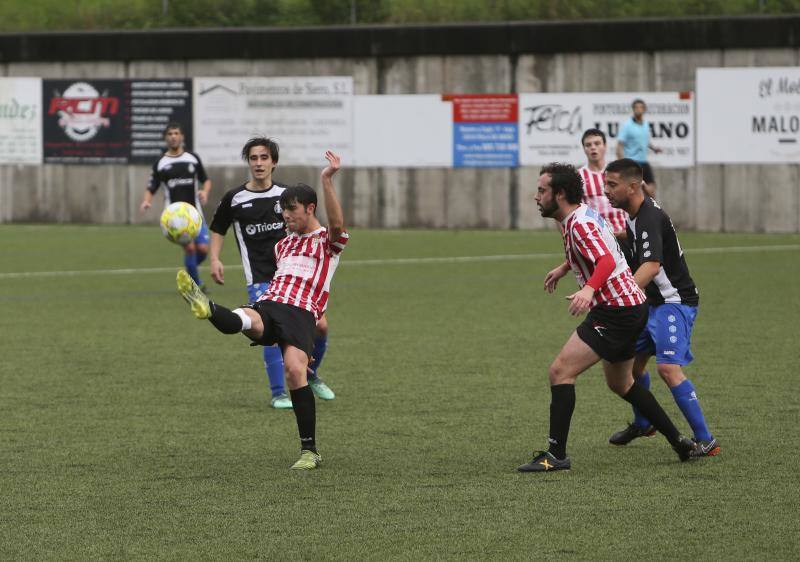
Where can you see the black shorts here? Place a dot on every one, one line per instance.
(647, 173)
(285, 324)
(612, 331)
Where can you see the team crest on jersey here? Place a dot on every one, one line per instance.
(191, 168)
(278, 209)
(644, 235)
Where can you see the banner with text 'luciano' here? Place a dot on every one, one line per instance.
(551, 125)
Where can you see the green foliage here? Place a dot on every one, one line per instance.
(132, 431)
(19, 15)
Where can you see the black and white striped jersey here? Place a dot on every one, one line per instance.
(181, 176)
(257, 221)
(652, 237)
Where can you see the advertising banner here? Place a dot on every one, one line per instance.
(305, 115)
(748, 115)
(409, 131)
(551, 125)
(485, 130)
(85, 122)
(20, 120)
(153, 105)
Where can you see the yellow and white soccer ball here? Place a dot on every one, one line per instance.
(180, 222)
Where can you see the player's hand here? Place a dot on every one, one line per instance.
(217, 272)
(581, 301)
(334, 163)
(551, 280)
(202, 196)
(144, 206)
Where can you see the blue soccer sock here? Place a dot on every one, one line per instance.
(686, 399)
(190, 261)
(320, 347)
(638, 418)
(273, 362)
(201, 257)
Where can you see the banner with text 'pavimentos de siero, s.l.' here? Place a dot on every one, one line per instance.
(305, 115)
(748, 115)
(20, 120)
(551, 125)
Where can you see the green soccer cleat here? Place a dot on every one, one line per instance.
(281, 402)
(191, 293)
(309, 460)
(321, 390)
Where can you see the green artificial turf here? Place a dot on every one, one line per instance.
(130, 430)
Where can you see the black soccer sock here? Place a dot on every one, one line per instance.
(224, 320)
(562, 404)
(641, 398)
(305, 410)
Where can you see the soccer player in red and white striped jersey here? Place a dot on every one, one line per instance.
(296, 299)
(594, 146)
(617, 314)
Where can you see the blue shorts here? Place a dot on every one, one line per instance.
(256, 290)
(668, 334)
(202, 236)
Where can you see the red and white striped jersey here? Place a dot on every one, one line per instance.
(593, 195)
(587, 238)
(306, 263)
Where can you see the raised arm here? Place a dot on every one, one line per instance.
(332, 206)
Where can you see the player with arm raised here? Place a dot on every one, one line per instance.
(296, 299)
(253, 209)
(661, 271)
(617, 314)
(180, 171)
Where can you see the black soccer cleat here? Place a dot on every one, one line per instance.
(544, 462)
(706, 448)
(685, 448)
(625, 436)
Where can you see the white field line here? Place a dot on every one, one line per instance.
(392, 261)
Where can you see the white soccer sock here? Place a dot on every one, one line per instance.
(247, 322)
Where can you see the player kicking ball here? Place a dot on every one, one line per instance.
(287, 314)
(617, 314)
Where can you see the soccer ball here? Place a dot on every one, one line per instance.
(180, 222)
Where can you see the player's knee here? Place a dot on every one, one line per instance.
(671, 374)
(620, 387)
(558, 373)
(295, 374)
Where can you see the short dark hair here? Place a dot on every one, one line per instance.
(627, 168)
(593, 133)
(638, 100)
(269, 144)
(300, 193)
(170, 126)
(564, 178)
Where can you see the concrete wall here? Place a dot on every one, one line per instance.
(710, 197)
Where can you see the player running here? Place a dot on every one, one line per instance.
(254, 211)
(180, 171)
(656, 257)
(617, 314)
(296, 299)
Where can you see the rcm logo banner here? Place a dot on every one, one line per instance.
(551, 125)
(85, 121)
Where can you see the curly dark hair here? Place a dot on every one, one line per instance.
(564, 178)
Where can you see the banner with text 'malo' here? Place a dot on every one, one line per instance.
(748, 115)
